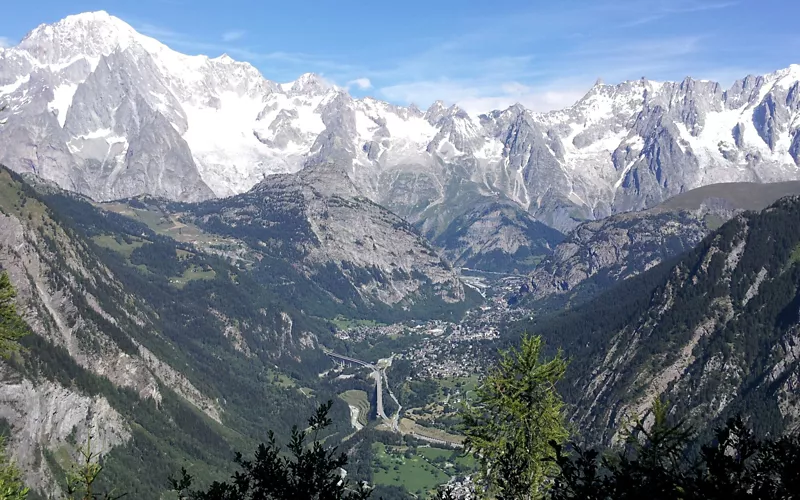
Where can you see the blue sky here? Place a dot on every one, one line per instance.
(483, 55)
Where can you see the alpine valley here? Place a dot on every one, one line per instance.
(201, 254)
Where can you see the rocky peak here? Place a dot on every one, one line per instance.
(309, 84)
(564, 160)
(435, 112)
(224, 58)
(743, 91)
(329, 179)
(516, 109)
(91, 34)
(414, 110)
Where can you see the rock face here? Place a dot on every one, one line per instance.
(497, 237)
(48, 415)
(319, 221)
(59, 310)
(598, 254)
(103, 110)
(64, 294)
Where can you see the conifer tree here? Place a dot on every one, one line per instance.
(516, 414)
(309, 471)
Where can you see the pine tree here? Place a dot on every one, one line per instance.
(309, 471)
(516, 414)
(84, 474)
(657, 465)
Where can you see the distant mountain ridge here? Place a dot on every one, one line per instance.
(317, 223)
(598, 254)
(223, 127)
(105, 111)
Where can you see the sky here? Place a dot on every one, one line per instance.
(481, 55)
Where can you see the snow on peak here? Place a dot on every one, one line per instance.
(88, 35)
(308, 83)
(437, 107)
(436, 112)
(457, 112)
(788, 76)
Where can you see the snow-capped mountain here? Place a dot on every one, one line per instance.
(103, 110)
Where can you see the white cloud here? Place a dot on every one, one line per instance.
(477, 99)
(5, 42)
(232, 36)
(540, 99)
(361, 83)
(666, 11)
(557, 55)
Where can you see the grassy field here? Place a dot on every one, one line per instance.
(360, 400)
(414, 472)
(118, 245)
(342, 323)
(124, 248)
(795, 254)
(457, 457)
(192, 274)
(280, 379)
(166, 224)
(463, 384)
(14, 201)
(448, 398)
(176, 227)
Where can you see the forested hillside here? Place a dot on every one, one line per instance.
(715, 332)
(169, 356)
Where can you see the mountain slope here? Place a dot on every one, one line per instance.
(158, 350)
(598, 254)
(317, 222)
(715, 332)
(497, 237)
(220, 126)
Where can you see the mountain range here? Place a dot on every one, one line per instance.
(185, 234)
(102, 110)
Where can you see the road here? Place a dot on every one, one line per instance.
(377, 374)
(349, 359)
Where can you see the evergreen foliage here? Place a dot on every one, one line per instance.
(657, 464)
(712, 288)
(11, 485)
(12, 328)
(84, 474)
(310, 471)
(515, 415)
